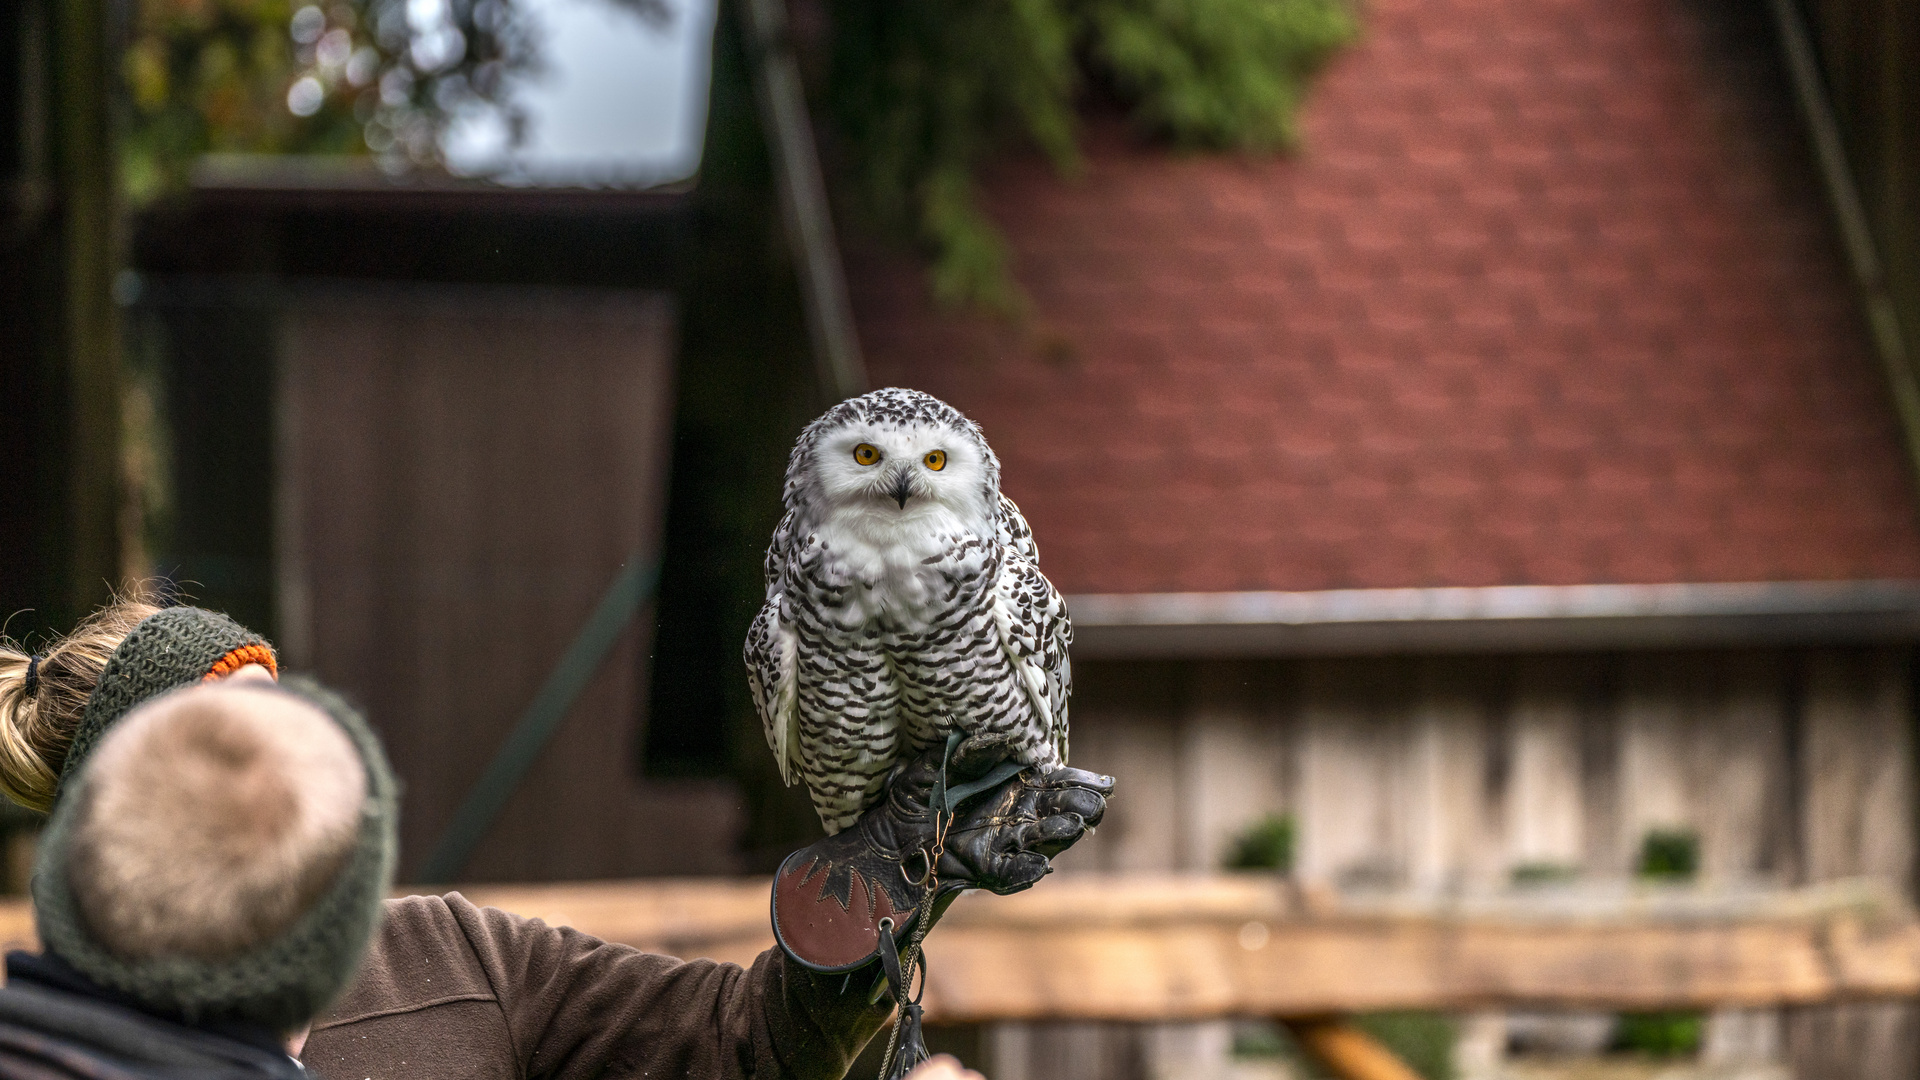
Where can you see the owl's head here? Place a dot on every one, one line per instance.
(894, 453)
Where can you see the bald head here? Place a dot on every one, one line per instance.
(211, 818)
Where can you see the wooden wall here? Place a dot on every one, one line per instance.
(1446, 774)
(462, 471)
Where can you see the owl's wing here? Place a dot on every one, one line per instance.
(772, 656)
(1034, 628)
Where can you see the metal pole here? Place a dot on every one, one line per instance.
(803, 200)
(1850, 213)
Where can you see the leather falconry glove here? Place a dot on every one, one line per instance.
(1004, 825)
(955, 817)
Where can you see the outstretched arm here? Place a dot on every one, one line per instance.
(452, 991)
(459, 991)
(577, 1007)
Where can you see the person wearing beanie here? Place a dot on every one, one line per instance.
(55, 703)
(450, 989)
(205, 887)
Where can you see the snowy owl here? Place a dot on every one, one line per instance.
(904, 602)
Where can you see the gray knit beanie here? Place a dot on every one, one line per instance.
(175, 647)
(286, 981)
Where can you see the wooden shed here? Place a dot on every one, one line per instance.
(416, 433)
(1505, 476)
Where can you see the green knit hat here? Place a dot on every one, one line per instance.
(281, 984)
(175, 647)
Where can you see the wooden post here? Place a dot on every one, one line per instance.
(83, 76)
(59, 360)
(1346, 1051)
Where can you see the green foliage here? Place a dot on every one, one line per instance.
(1670, 854)
(1262, 1039)
(1424, 1040)
(923, 92)
(1661, 1034)
(196, 74)
(1543, 873)
(1217, 73)
(1267, 844)
(283, 76)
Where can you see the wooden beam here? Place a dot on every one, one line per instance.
(1128, 948)
(1346, 1051)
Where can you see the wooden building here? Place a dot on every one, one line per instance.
(1507, 475)
(415, 434)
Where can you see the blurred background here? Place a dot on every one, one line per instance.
(1477, 438)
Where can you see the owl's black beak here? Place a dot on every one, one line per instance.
(902, 487)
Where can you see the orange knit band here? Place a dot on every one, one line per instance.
(241, 657)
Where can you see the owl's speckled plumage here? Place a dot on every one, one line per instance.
(903, 602)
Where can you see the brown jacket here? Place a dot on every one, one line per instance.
(457, 991)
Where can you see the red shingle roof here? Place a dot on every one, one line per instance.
(1548, 297)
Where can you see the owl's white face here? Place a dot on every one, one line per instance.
(898, 474)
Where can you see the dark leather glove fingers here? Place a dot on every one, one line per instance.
(1009, 852)
(1053, 835)
(1086, 804)
(1012, 872)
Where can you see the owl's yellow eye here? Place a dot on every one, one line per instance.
(866, 454)
(936, 460)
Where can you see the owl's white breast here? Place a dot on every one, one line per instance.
(898, 569)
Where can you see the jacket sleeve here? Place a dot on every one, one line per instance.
(578, 1007)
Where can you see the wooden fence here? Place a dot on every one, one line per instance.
(1153, 948)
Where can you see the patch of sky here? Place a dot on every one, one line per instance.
(618, 99)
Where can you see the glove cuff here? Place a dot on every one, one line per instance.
(828, 905)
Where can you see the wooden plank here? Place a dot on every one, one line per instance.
(1353, 812)
(1856, 766)
(1232, 763)
(1160, 948)
(1736, 767)
(1099, 947)
(1454, 833)
(1348, 1052)
(1122, 724)
(432, 567)
(1197, 970)
(1654, 727)
(1545, 813)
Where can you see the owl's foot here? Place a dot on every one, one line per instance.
(977, 754)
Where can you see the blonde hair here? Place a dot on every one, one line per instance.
(37, 729)
(210, 820)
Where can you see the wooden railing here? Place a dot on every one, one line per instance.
(1093, 947)
(1158, 948)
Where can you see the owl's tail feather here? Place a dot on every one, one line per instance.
(786, 723)
(786, 741)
